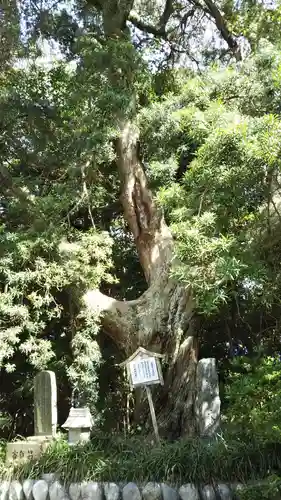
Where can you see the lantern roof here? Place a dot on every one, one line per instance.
(79, 418)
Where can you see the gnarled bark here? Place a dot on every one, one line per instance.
(162, 318)
(152, 236)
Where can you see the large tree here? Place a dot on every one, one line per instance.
(162, 318)
(71, 152)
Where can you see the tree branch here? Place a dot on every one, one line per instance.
(223, 29)
(115, 316)
(168, 11)
(139, 322)
(159, 32)
(86, 193)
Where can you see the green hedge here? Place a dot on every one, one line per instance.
(268, 490)
(199, 461)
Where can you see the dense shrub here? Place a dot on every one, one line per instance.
(254, 397)
(200, 461)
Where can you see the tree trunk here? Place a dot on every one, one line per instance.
(162, 318)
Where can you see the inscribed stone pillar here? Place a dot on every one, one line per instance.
(45, 404)
(207, 403)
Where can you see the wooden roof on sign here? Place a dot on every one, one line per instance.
(141, 350)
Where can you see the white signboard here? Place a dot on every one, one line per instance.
(144, 371)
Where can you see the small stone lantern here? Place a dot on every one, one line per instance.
(79, 424)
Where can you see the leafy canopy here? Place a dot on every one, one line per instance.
(210, 144)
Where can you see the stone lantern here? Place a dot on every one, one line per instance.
(79, 424)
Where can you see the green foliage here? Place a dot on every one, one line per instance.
(228, 177)
(210, 143)
(265, 490)
(255, 89)
(9, 32)
(214, 263)
(35, 269)
(137, 459)
(256, 21)
(47, 260)
(83, 372)
(225, 126)
(259, 387)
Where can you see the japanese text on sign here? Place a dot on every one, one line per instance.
(144, 371)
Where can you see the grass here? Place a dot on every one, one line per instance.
(114, 458)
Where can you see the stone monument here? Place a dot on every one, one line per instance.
(45, 421)
(45, 404)
(207, 402)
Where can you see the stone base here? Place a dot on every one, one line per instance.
(40, 439)
(20, 452)
(76, 436)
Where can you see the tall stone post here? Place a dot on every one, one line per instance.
(45, 404)
(207, 402)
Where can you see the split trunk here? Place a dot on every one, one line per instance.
(162, 319)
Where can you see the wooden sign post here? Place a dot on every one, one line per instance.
(144, 369)
(152, 412)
